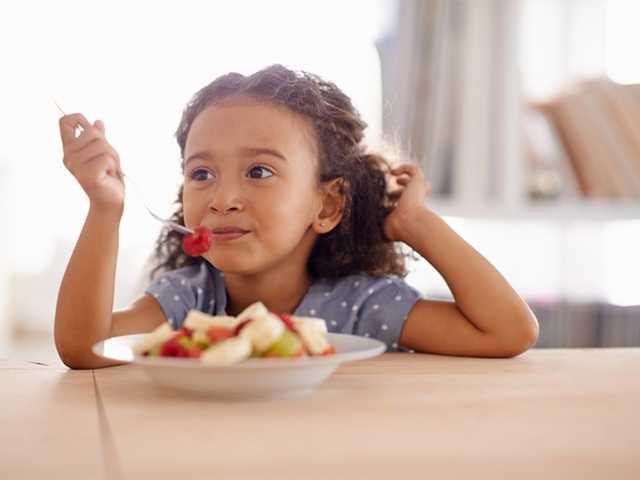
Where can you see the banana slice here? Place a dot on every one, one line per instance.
(160, 335)
(197, 320)
(227, 352)
(313, 337)
(263, 331)
(254, 310)
(312, 322)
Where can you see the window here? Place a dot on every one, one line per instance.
(135, 65)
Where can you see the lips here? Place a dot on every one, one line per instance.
(227, 233)
(225, 230)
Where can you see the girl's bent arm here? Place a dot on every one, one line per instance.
(85, 300)
(488, 318)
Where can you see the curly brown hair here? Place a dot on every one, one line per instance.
(357, 244)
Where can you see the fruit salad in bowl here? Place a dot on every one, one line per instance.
(226, 340)
(257, 354)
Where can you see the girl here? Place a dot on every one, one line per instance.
(303, 218)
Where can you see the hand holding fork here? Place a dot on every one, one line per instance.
(96, 165)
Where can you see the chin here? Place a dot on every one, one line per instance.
(240, 266)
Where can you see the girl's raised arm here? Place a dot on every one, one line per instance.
(85, 298)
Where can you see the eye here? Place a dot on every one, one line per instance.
(200, 175)
(259, 172)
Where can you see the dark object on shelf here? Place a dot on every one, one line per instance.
(587, 325)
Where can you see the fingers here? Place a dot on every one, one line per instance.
(406, 172)
(95, 166)
(410, 169)
(99, 124)
(87, 147)
(403, 176)
(404, 180)
(395, 195)
(68, 125)
(97, 146)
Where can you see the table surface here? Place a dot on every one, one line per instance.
(555, 413)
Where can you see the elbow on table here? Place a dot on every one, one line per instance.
(74, 357)
(74, 361)
(82, 358)
(525, 339)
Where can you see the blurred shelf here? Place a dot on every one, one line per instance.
(30, 348)
(552, 210)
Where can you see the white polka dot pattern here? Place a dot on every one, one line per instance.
(374, 307)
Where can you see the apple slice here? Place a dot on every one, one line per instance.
(197, 320)
(227, 352)
(288, 345)
(153, 339)
(313, 332)
(263, 331)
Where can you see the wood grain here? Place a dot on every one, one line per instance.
(557, 413)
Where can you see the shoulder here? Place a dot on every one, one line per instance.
(363, 296)
(191, 276)
(192, 287)
(364, 287)
(365, 305)
(189, 283)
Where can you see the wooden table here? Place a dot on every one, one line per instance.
(547, 414)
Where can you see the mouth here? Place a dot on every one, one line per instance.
(227, 233)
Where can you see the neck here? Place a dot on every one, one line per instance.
(280, 290)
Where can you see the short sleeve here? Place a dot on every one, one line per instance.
(174, 298)
(182, 290)
(385, 309)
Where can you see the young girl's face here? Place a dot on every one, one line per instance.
(250, 170)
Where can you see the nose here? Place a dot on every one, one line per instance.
(225, 199)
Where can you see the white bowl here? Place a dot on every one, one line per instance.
(253, 378)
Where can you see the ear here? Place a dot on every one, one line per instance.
(332, 203)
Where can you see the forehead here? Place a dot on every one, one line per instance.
(245, 122)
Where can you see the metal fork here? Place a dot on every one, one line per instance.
(165, 222)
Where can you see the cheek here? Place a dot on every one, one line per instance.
(190, 208)
(292, 213)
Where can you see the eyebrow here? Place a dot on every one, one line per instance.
(246, 151)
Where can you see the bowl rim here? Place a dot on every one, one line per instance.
(365, 347)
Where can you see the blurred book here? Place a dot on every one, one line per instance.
(624, 106)
(549, 172)
(598, 124)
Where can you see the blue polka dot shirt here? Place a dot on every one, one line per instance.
(375, 307)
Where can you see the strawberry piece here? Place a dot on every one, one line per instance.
(217, 334)
(330, 350)
(185, 332)
(198, 242)
(173, 348)
(178, 345)
(240, 326)
(286, 319)
(194, 352)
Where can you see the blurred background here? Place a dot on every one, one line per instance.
(524, 114)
